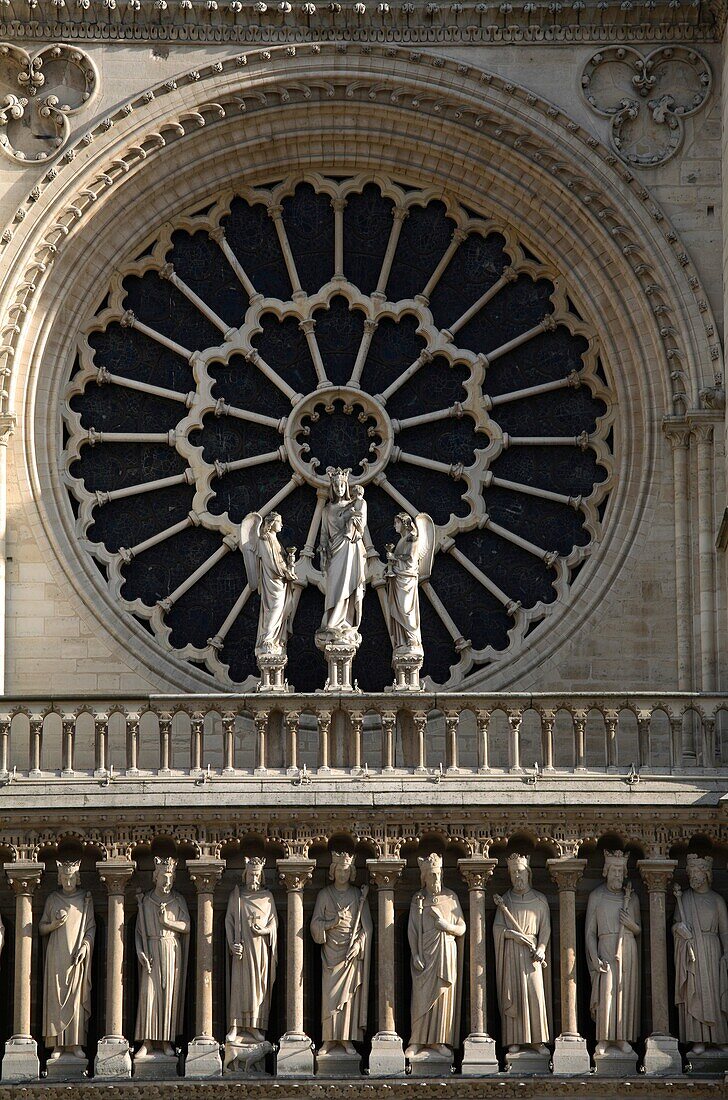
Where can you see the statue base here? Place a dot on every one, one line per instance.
(711, 1060)
(339, 660)
(479, 1058)
(113, 1058)
(66, 1068)
(407, 671)
(272, 668)
(431, 1063)
(571, 1057)
(615, 1063)
(295, 1056)
(246, 1059)
(662, 1057)
(528, 1063)
(156, 1066)
(338, 1064)
(21, 1059)
(387, 1056)
(203, 1058)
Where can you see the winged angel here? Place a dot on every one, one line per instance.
(409, 563)
(270, 575)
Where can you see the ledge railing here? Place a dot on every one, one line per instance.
(362, 734)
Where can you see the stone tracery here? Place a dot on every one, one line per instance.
(518, 407)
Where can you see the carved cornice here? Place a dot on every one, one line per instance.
(385, 872)
(566, 873)
(24, 876)
(205, 873)
(295, 873)
(656, 873)
(115, 873)
(476, 871)
(242, 21)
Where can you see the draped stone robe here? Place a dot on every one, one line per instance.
(161, 993)
(436, 990)
(275, 600)
(524, 994)
(253, 975)
(615, 999)
(701, 983)
(342, 532)
(67, 988)
(403, 595)
(344, 985)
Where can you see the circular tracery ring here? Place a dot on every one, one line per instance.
(350, 322)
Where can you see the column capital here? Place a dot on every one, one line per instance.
(385, 872)
(115, 873)
(24, 875)
(566, 872)
(476, 870)
(656, 873)
(295, 873)
(205, 872)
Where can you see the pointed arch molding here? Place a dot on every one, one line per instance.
(423, 119)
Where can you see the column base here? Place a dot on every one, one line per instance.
(203, 1058)
(156, 1066)
(615, 1063)
(295, 1056)
(387, 1056)
(66, 1068)
(479, 1058)
(113, 1058)
(528, 1063)
(571, 1057)
(662, 1057)
(21, 1059)
(711, 1060)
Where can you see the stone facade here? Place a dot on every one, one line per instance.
(581, 705)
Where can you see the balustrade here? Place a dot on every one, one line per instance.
(461, 736)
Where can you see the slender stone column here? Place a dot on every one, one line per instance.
(662, 1057)
(21, 1050)
(203, 1053)
(571, 1057)
(113, 1057)
(387, 1056)
(479, 1058)
(295, 1053)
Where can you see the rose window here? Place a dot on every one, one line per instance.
(351, 322)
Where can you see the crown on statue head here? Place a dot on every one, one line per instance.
(168, 862)
(518, 862)
(345, 859)
(71, 866)
(433, 861)
(618, 858)
(699, 863)
(255, 861)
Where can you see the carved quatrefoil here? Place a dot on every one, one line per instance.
(38, 94)
(646, 98)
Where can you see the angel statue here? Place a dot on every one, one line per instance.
(409, 562)
(273, 577)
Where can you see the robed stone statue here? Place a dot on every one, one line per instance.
(612, 928)
(343, 559)
(251, 930)
(162, 941)
(68, 922)
(342, 925)
(270, 575)
(522, 931)
(435, 932)
(701, 959)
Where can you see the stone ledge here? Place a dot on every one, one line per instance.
(505, 1088)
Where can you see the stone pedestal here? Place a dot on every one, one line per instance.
(430, 1063)
(272, 668)
(156, 1067)
(615, 1064)
(407, 671)
(20, 1062)
(479, 1057)
(662, 1056)
(338, 1065)
(571, 1057)
(203, 1058)
(387, 1056)
(339, 660)
(295, 1057)
(711, 1062)
(66, 1068)
(528, 1063)
(113, 1058)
